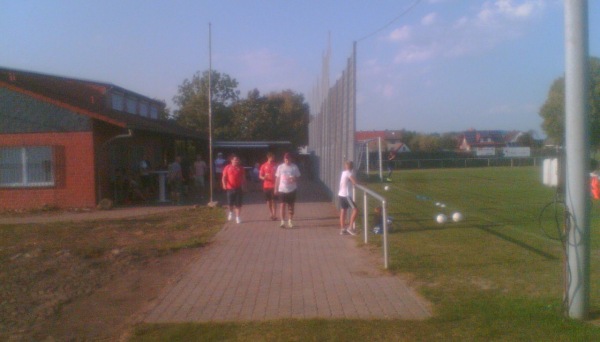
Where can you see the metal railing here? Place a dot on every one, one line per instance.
(384, 220)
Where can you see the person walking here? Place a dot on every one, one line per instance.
(266, 173)
(346, 201)
(286, 183)
(234, 181)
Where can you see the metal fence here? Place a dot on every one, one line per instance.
(333, 122)
(466, 162)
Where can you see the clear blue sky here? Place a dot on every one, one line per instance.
(445, 65)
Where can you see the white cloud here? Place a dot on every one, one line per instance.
(415, 53)
(400, 34)
(429, 19)
(480, 29)
(498, 10)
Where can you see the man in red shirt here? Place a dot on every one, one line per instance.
(233, 181)
(267, 175)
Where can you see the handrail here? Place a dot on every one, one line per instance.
(377, 196)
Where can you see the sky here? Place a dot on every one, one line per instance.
(430, 66)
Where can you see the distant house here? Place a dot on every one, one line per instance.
(68, 143)
(390, 140)
(472, 139)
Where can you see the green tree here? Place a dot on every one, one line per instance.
(192, 99)
(276, 116)
(553, 110)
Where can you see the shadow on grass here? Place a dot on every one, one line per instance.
(514, 241)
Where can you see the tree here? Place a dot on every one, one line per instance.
(192, 99)
(553, 110)
(276, 116)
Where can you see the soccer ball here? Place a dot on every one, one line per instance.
(441, 218)
(456, 217)
(386, 188)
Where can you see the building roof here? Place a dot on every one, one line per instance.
(88, 98)
(368, 135)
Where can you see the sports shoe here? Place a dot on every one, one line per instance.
(344, 232)
(229, 216)
(282, 225)
(352, 231)
(290, 224)
(238, 220)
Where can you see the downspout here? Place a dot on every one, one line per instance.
(102, 147)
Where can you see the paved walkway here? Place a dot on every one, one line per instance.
(258, 271)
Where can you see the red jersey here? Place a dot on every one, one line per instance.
(267, 170)
(233, 176)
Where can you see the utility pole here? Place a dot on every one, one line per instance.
(577, 145)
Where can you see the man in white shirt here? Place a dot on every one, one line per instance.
(286, 183)
(346, 201)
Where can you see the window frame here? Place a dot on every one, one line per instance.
(26, 167)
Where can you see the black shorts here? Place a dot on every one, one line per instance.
(346, 202)
(235, 197)
(269, 194)
(288, 197)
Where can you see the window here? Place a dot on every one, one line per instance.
(131, 105)
(154, 112)
(144, 109)
(117, 101)
(26, 166)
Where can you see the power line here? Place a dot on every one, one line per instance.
(413, 5)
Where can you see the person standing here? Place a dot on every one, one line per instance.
(267, 175)
(346, 201)
(286, 183)
(234, 181)
(198, 173)
(175, 178)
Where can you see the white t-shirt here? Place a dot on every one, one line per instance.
(345, 183)
(288, 177)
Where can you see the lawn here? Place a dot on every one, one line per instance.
(496, 275)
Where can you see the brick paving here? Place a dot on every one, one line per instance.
(257, 271)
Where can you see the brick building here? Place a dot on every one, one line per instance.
(66, 142)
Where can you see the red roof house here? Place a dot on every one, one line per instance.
(66, 142)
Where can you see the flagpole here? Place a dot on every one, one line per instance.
(210, 142)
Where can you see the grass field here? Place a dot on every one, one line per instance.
(497, 275)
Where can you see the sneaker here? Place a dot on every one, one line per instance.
(352, 231)
(344, 232)
(282, 225)
(229, 216)
(238, 220)
(290, 224)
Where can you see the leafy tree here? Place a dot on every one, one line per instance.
(192, 99)
(553, 110)
(276, 116)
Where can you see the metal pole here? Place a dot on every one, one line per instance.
(365, 217)
(210, 142)
(380, 161)
(577, 195)
(367, 152)
(385, 234)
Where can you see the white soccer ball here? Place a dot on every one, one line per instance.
(456, 217)
(386, 188)
(441, 218)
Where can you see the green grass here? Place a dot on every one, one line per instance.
(497, 275)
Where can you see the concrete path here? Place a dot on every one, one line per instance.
(257, 271)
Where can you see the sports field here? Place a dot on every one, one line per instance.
(500, 270)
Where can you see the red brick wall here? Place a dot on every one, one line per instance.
(78, 188)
